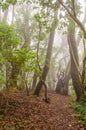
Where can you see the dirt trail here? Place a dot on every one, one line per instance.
(32, 113)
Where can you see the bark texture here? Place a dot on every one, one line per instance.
(14, 74)
(74, 64)
(84, 75)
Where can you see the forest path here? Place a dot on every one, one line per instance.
(32, 113)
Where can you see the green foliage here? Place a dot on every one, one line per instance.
(45, 17)
(5, 3)
(42, 19)
(29, 61)
(80, 108)
(11, 52)
(20, 56)
(9, 41)
(8, 37)
(50, 4)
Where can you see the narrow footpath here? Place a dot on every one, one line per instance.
(20, 112)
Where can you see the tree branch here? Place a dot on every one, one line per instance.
(38, 49)
(74, 18)
(74, 10)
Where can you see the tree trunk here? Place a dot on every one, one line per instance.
(49, 80)
(84, 73)
(8, 71)
(34, 80)
(84, 60)
(26, 84)
(66, 79)
(8, 66)
(74, 64)
(60, 86)
(47, 63)
(72, 13)
(63, 81)
(14, 74)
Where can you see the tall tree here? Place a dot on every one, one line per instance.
(72, 14)
(4, 20)
(47, 61)
(74, 63)
(75, 74)
(23, 29)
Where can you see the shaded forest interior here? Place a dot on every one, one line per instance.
(43, 65)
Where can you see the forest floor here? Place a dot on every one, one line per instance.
(21, 112)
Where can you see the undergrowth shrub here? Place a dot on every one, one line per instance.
(80, 108)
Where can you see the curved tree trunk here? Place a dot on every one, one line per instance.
(74, 63)
(47, 63)
(79, 91)
(48, 55)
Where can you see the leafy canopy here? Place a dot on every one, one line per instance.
(8, 37)
(10, 49)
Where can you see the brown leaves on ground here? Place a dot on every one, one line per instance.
(20, 112)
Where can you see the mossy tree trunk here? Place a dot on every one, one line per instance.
(14, 74)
